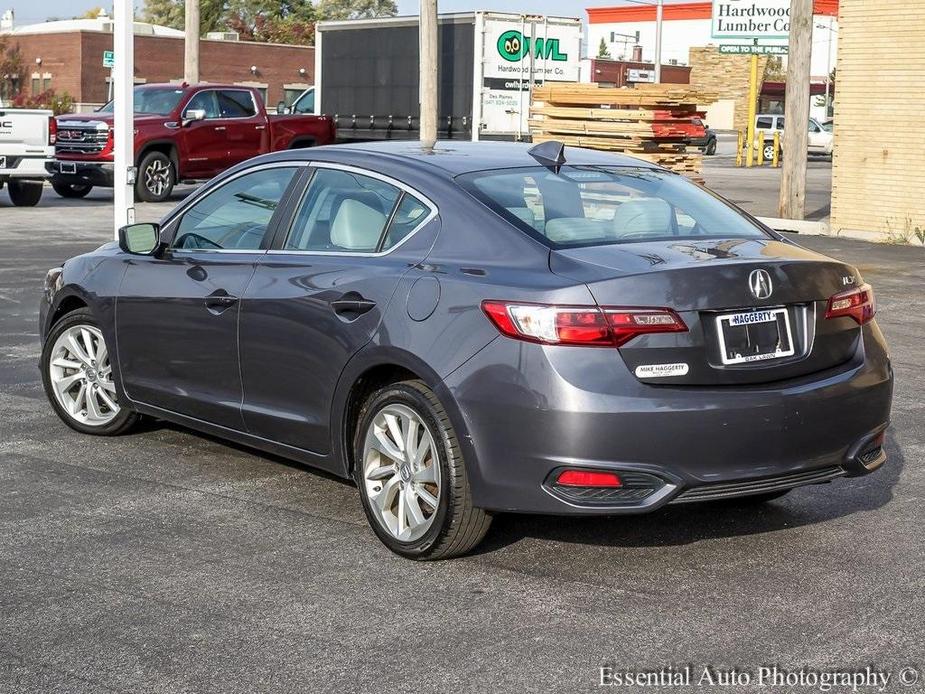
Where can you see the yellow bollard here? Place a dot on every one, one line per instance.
(740, 138)
(752, 106)
(775, 160)
(759, 137)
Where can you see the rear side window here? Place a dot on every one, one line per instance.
(236, 103)
(594, 205)
(410, 213)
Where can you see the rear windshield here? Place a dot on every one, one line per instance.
(159, 101)
(594, 205)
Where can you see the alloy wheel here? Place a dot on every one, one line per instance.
(401, 472)
(157, 177)
(81, 376)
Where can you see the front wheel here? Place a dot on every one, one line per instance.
(412, 477)
(25, 193)
(71, 190)
(768, 152)
(77, 375)
(156, 178)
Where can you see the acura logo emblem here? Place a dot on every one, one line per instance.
(759, 282)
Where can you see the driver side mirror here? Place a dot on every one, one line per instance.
(140, 239)
(192, 115)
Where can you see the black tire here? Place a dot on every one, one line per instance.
(124, 420)
(458, 526)
(710, 148)
(25, 193)
(71, 190)
(156, 178)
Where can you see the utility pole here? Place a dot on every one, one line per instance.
(658, 41)
(429, 67)
(191, 52)
(792, 202)
(123, 109)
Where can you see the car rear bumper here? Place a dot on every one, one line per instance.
(23, 168)
(530, 411)
(82, 172)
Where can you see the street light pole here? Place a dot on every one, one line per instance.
(123, 108)
(658, 41)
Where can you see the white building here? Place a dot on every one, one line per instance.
(688, 24)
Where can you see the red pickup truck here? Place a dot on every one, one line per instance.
(183, 132)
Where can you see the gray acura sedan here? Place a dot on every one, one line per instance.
(478, 328)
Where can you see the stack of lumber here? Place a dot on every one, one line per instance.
(652, 122)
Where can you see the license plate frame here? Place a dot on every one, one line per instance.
(754, 317)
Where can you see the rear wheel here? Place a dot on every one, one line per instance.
(156, 178)
(412, 477)
(77, 375)
(25, 193)
(71, 190)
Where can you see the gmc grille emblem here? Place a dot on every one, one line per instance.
(759, 282)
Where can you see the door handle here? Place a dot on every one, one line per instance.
(260, 127)
(219, 127)
(220, 303)
(352, 306)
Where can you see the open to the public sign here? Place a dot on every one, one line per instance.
(755, 336)
(750, 19)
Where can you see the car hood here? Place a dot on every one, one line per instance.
(140, 119)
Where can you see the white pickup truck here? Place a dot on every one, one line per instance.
(27, 141)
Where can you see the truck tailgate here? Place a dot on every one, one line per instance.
(23, 132)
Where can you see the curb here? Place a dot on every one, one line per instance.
(796, 225)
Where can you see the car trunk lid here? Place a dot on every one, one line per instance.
(731, 331)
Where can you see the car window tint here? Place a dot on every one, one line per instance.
(410, 213)
(342, 211)
(236, 215)
(764, 123)
(596, 205)
(236, 103)
(205, 101)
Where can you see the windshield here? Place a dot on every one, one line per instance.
(596, 205)
(159, 101)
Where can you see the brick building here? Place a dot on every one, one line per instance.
(67, 56)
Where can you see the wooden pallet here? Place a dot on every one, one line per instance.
(652, 122)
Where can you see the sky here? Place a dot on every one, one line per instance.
(31, 11)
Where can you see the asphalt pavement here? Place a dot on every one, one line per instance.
(169, 561)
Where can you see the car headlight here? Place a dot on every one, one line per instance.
(52, 282)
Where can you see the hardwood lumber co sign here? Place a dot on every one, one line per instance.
(751, 19)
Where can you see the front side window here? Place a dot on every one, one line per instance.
(764, 123)
(236, 103)
(205, 101)
(343, 211)
(236, 215)
(306, 104)
(600, 205)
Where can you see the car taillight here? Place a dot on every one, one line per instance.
(855, 303)
(590, 326)
(588, 478)
(52, 130)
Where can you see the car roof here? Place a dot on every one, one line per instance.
(455, 157)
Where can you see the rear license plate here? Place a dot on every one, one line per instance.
(68, 168)
(755, 336)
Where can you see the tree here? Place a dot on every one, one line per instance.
(170, 13)
(92, 13)
(274, 21)
(602, 51)
(356, 9)
(12, 70)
